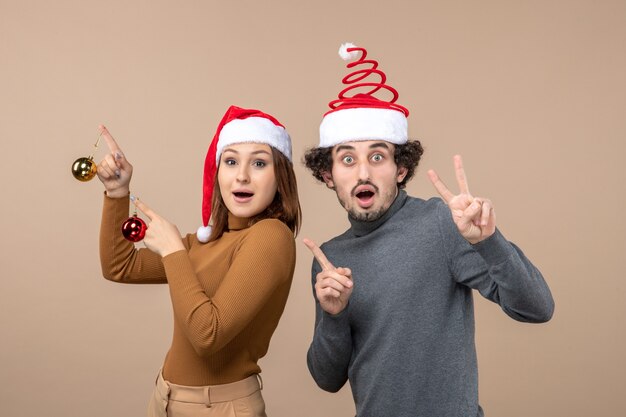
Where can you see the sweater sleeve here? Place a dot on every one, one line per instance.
(499, 270)
(264, 261)
(330, 351)
(120, 260)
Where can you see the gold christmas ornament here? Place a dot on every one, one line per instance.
(84, 168)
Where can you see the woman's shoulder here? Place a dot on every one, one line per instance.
(270, 239)
(271, 228)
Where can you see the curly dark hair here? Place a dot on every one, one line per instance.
(408, 155)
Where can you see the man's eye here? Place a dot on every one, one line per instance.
(377, 158)
(348, 159)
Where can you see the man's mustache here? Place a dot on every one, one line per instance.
(362, 182)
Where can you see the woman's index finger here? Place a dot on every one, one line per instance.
(143, 207)
(111, 143)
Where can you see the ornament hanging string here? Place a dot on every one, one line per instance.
(95, 146)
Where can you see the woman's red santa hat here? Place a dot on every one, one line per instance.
(238, 126)
(363, 116)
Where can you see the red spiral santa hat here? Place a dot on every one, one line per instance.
(363, 116)
(238, 126)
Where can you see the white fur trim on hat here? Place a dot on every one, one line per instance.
(254, 130)
(204, 233)
(344, 54)
(363, 123)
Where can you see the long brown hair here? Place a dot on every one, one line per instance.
(285, 206)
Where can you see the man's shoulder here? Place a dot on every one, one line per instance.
(344, 236)
(422, 207)
(423, 201)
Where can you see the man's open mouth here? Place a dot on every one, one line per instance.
(364, 195)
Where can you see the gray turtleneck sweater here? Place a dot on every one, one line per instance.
(406, 339)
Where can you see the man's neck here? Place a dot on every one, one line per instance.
(362, 228)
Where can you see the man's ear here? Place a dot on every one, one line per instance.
(402, 171)
(328, 179)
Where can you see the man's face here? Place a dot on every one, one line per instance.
(365, 177)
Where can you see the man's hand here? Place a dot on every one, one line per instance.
(333, 286)
(162, 237)
(114, 170)
(474, 216)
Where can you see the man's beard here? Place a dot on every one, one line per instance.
(368, 216)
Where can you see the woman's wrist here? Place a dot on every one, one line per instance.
(118, 193)
(175, 247)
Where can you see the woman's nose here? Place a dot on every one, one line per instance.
(243, 175)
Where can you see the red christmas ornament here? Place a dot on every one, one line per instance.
(134, 229)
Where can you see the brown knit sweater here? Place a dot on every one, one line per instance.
(227, 295)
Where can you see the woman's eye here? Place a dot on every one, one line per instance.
(259, 164)
(230, 162)
(377, 158)
(348, 160)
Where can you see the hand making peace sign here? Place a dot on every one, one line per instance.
(333, 286)
(474, 216)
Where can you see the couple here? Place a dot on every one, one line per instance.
(402, 332)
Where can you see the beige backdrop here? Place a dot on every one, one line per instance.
(531, 93)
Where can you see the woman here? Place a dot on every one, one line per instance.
(229, 282)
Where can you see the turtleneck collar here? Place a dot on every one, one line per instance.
(362, 228)
(237, 223)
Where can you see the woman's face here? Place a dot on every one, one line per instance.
(246, 178)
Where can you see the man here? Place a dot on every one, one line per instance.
(394, 309)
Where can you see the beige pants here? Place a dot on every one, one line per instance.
(239, 399)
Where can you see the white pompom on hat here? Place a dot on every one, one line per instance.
(362, 116)
(345, 55)
(238, 126)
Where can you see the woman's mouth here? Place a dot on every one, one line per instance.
(242, 196)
